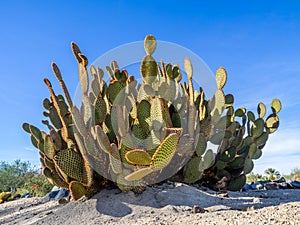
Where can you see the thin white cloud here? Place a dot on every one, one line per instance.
(283, 142)
(281, 152)
(30, 149)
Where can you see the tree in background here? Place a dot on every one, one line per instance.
(295, 174)
(21, 176)
(252, 177)
(12, 175)
(272, 174)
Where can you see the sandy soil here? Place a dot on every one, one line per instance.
(165, 204)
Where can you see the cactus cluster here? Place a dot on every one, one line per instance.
(132, 134)
(240, 137)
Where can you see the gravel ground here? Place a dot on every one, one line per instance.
(166, 204)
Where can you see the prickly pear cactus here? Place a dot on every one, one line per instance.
(132, 134)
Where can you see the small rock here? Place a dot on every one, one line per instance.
(198, 209)
(63, 201)
(223, 195)
(272, 186)
(256, 200)
(246, 209)
(48, 213)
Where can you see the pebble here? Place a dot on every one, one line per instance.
(256, 200)
(198, 209)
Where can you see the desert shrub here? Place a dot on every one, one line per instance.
(22, 177)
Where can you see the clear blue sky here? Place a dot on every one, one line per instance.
(256, 41)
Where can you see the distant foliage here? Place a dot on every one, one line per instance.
(272, 174)
(295, 174)
(12, 175)
(252, 177)
(22, 177)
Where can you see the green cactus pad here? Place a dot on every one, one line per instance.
(138, 157)
(276, 105)
(36, 132)
(217, 138)
(257, 154)
(165, 151)
(55, 178)
(175, 72)
(100, 110)
(261, 110)
(83, 78)
(208, 159)
(257, 128)
(248, 167)
(95, 87)
(156, 113)
(220, 165)
(224, 122)
(236, 184)
(221, 77)
(272, 123)
(240, 112)
(71, 163)
(34, 142)
(252, 150)
(251, 116)
(47, 103)
(76, 51)
(188, 68)
(148, 69)
(229, 100)
(139, 174)
(150, 44)
(49, 163)
(114, 90)
(47, 173)
(192, 172)
(77, 190)
(237, 163)
(54, 118)
(26, 128)
(102, 139)
(78, 121)
(176, 119)
(262, 139)
(228, 155)
(49, 147)
(138, 134)
(153, 140)
(219, 104)
(201, 145)
(119, 120)
(57, 141)
(123, 184)
(115, 159)
(143, 115)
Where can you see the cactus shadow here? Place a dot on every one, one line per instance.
(117, 204)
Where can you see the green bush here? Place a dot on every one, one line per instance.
(37, 184)
(22, 177)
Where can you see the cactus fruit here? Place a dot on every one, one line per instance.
(129, 134)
